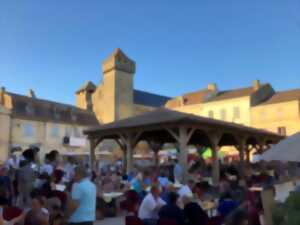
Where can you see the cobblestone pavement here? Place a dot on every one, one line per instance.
(112, 221)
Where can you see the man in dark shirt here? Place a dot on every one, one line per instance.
(194, 214)
(171, 211)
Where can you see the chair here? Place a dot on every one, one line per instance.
(133, 220)
(167, 222)
(11, 212)
(130, 204)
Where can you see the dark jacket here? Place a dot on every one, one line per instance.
(195, 215)
(173, 212)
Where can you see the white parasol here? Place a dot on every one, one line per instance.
(288, 150)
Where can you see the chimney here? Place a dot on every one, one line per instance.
(256, 85)
(212, 87)
(31, 94)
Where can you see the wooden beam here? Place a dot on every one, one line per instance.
(174, 135)
(190, 134)
(136, 137)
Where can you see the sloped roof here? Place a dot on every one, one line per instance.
(160, 117)
(283, 96)
(43, 110)
(197, 96)
(236, 93)
(88, 86)
(149, 99)
(191, 98)
(120, 61)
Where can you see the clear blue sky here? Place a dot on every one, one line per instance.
(54, 46)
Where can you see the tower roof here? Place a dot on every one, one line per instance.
(118, 60)
(88, 86)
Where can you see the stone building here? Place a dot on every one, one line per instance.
(116, 92)
(28, 120)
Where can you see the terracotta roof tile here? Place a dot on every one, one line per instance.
(44, 110)
(283, 96)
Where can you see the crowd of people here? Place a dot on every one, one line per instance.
(59, 192)
(51, 193)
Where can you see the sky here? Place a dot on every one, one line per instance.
(179, 46)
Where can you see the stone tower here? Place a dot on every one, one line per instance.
(84, 96)
(113, 99)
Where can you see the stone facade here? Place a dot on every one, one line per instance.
(4, 132)
(258, 106)
(115, 98)
(28, 120)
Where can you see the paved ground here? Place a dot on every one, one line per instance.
(113, 221)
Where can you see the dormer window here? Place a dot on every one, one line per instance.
(29, 109)
(56, 113)
(73, 115)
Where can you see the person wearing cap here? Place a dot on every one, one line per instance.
(82, 205)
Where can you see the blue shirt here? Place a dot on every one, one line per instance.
(163, 181)
(85, 193)
(136, 185)
(227, 206)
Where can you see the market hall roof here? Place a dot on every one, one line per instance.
(156, 120)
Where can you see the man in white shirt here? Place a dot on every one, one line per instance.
(69, 169)
(150, 207)
(47, 167)
(186, 190)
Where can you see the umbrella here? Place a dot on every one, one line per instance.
(208, 154)
(287, 150)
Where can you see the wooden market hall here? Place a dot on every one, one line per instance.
(163, 126)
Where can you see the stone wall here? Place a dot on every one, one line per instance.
(273, 116)
(47, 135)
(4, 133)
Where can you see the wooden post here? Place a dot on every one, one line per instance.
(183, 154)
(130, 140)
(93, 145)
(155, 145)
(129, 154)
(242, 148)
(215, 138)
(121, 143)
(248, 155)
(215, 165)
(182, 139)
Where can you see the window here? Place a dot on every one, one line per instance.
(68, 131)
(236, 113)
(211, 114)
(56, 113)
(76, 132)
(223, 114)
(29, 109)
(28, 130)
(282, 131)
(55, 131)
